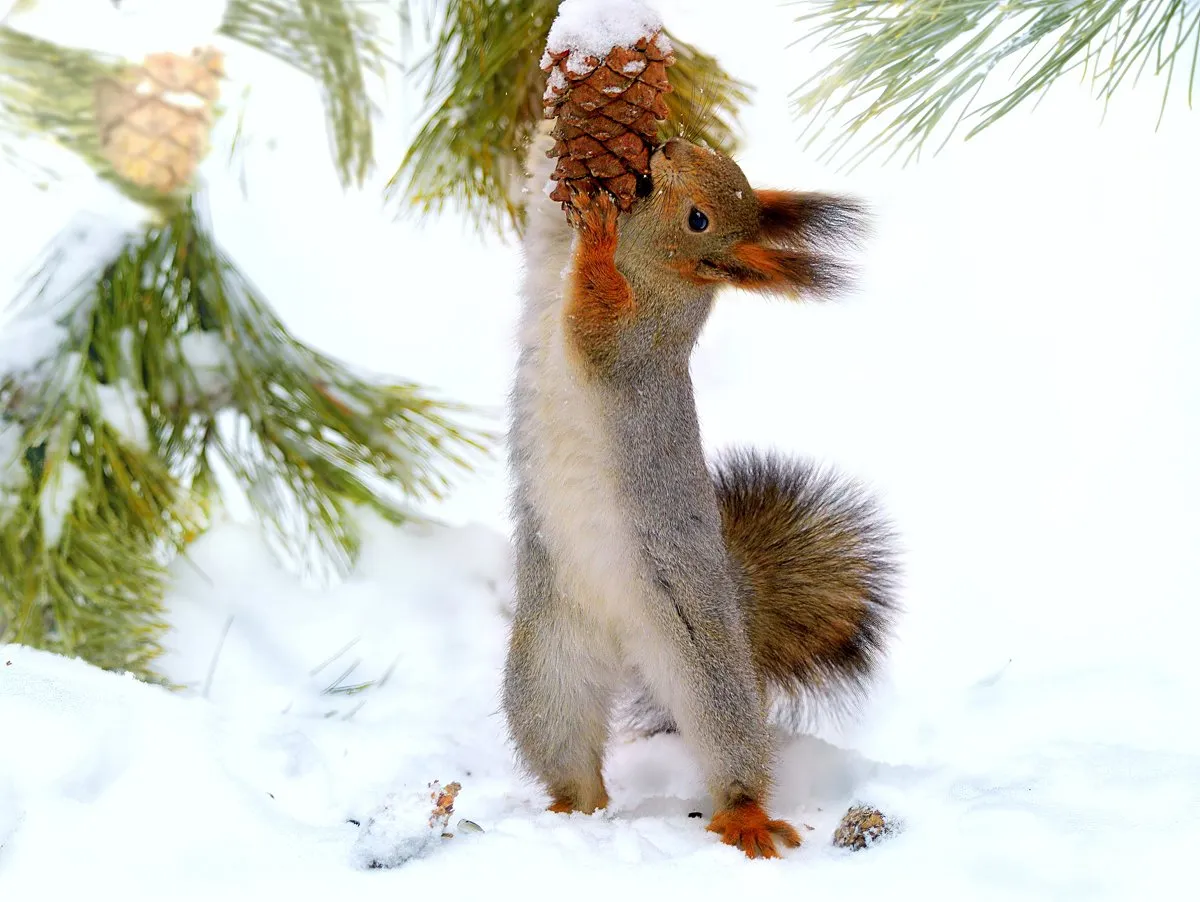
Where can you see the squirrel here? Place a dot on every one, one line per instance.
(710, 586)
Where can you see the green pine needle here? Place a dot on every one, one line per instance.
(47, 91)
(213, 375)
(484, 100)
(334, 42)
(910, 70)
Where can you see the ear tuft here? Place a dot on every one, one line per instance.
(806, 219)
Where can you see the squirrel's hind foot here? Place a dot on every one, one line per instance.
(584, 803)
(747, 826)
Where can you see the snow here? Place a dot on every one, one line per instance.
(556, 84)
(27, 342)
(36, 332)
(13, 475)
(132, 29)
(586, 28)
(1018, 379)
(210, 362)
(56, 499)
(184, 101)
(402, 828)
(122, 410)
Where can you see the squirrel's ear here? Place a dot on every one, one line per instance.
(800, 218)
(772, 270)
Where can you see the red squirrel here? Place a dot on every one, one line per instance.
(704, 587)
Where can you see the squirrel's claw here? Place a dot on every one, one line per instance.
(747, 826)
(594, 214)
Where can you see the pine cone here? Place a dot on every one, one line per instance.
(861, 827)
(608, 113)
(154, 119)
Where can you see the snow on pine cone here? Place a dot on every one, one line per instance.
(607, 113)
(154, 119)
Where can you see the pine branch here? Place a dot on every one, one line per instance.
(87, 518)
(484, 100)
(334, 42)
(47, 92)
(704, 100)
(169, 361)
(910, 70)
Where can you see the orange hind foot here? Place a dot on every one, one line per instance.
(747, 826)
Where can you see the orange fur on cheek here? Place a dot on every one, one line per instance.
(763, 263)
(687, 270)
(775, 271)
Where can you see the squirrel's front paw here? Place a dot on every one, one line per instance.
(747, 826)
(594, 215)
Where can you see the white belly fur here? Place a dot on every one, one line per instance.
(570, 480)
(572, 485)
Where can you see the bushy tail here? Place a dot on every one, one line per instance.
(819, 559)
(820, 567)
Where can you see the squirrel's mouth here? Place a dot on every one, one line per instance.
(658, 174)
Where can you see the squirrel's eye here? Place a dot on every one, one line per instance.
(697, 221)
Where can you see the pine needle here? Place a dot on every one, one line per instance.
(334, 42)
(910, 70)
(172, 327)
(483, 101)
(47, 91)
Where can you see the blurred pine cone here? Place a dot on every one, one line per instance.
(154, 119)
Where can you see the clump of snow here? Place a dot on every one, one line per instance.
(65, 274)
(122, 410)
(11, 446)
(399, 830)
(126, 341)
(556, 84)
(184, 101)
(594, 27)
(57, 497)
(27, 342)
(210, 362)
(204, 350)
(13, 475)
(132, 29)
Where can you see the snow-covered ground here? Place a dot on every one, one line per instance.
(1018, 378)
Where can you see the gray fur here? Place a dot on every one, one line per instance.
(684, 634)
(622, 566)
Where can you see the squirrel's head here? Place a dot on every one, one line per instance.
(698, 220)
